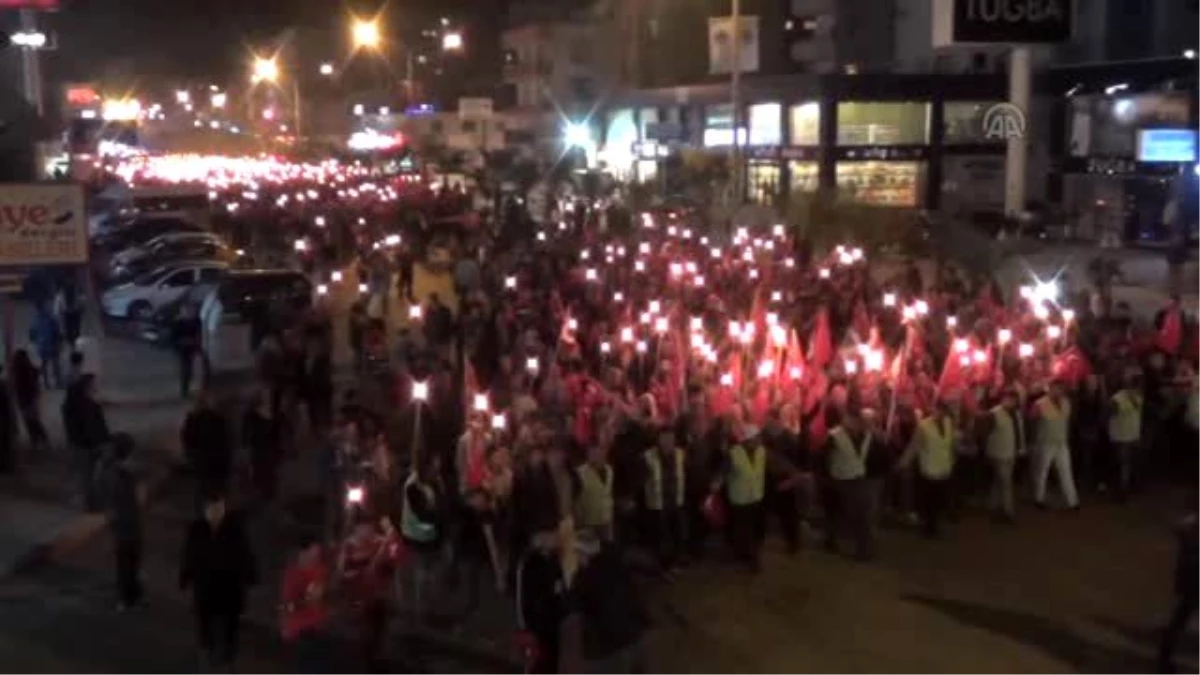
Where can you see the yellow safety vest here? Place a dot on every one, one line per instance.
(654, 491)
(847, 462)
(595, 504)
(1125, 424)
(1052, 423)
(935, 449)
(747, 475)
(1002, 442)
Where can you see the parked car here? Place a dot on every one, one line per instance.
(134, 253)
(140, 298)
(280, 295)
(202, 248)
(140, 231)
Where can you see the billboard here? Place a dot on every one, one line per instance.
(721, 48)
(1001, 21)
(1166, 145)
(42, 224)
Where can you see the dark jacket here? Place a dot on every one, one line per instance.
(83, 419)
(208, 444)
(614, 615)
(185, 334)
(535, 503)
(218, 565)
(541, 603)
(119, 490)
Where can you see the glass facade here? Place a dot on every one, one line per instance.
(883, 123)
(1107, 126)
(806, 124)
(962, 121)
(882, 183)
(766, 123)
(803, 176)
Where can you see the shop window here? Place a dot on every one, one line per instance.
(762, 182)
(803, 176)
(963, 121)
(1108, 125)
(766, 124)
(806, 123)
(647, 116)
(883, 123)
(881, 183)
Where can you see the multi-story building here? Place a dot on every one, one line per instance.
(558, 68)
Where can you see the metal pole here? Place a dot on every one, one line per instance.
(1016, 162)
(735, 96)
(296, 104)
(31, 72)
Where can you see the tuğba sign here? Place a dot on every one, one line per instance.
(1002, 21)
(42, 224)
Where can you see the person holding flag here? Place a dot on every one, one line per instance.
(932, 447)
(1053, 413)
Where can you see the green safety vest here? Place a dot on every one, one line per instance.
(1125, 424)
(1052, 423)
(747, 475)
(412, 527)
(1002, 442)
(845, 461)
(595, 503)
(654, 491)
(935, 450)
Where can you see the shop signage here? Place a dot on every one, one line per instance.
(803, 154)
(1004, 121)
(1002, 21)
(1166, 145)
(42, 224)
(1119, 166)
(664, 131)
(883, 153)
(763, 152)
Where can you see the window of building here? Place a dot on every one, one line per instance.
(718, 126)
(883, 123)
(963, 121)
(646, 117)
(806, 123)
(766, 124)
(881, 183)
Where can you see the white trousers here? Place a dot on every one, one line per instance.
(1057, 457)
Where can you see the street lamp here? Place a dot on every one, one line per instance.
(327, 69)
(264, 69)
(219, 99)
(452, 42)
(365, 33)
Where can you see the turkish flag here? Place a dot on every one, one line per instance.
(820, 349)
(1170, 334)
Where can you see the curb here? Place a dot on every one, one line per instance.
(77, 533)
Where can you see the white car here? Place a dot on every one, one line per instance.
(140, 298)
(163, 241)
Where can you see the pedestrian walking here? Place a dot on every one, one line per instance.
(1053, 414)
(46, 336)
(745, 483)
(208, 445)
(1187, 587)
(68, 309)
(611, 607)
(262, 437)
(119, 488)
(1125, 430)
(305, 613)
(932, 447)
(87, 431)
(218, 566)
(27, 388)
(850, 445)
(664, 488)
(541, 601)
(1003, 431)
(187, 341)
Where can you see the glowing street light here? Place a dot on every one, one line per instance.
(264, 69)
(452, 42)
(219, 99)
(364, 33)
(326, 69)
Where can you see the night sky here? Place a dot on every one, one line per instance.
(163, 39)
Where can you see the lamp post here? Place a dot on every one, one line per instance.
(266, 69)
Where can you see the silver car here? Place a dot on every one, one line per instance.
(132, 255)
(140, 298)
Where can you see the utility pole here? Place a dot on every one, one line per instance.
(735, 99)
(31, 71)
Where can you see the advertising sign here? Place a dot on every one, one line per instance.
(721, 48)
(42, 224)
(475, 108)
(1001, 21)
(1166, 145)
